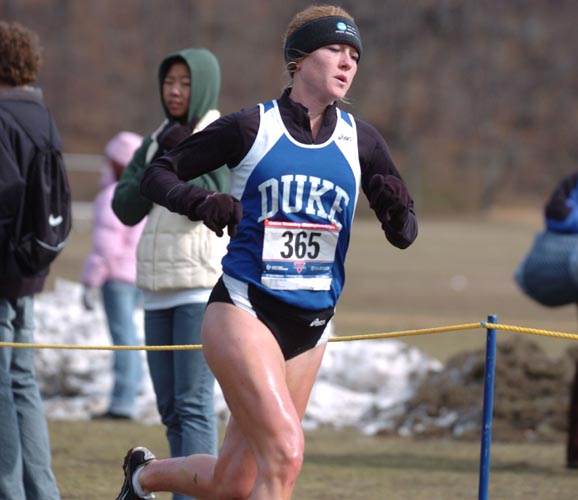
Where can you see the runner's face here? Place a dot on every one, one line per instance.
(329, 71)
(177, 90)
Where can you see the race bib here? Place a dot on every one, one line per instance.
(298, 255)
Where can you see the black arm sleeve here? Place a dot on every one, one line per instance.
(400, 228)
(224, 142)
(161, 185)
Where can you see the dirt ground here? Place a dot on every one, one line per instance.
(460, 271)
(531, 395)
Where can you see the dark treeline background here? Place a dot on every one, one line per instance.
(477, 99)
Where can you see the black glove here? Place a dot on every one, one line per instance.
(220, 210)
(388, 196)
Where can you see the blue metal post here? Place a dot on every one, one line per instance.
(488, 409)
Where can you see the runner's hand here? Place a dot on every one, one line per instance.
(220, 210)
(388, 196)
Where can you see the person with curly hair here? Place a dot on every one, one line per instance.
(21, 55)
(297, 164)
(25, 456)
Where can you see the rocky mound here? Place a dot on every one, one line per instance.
(531, 395)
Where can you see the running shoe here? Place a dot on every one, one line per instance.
(134, 459)
(110, 415)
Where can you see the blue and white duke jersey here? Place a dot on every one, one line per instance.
(298, 206)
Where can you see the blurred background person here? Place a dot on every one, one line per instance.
(178, 261)
(25, 456)
(549, 275)
(561, 214)
(110, 268)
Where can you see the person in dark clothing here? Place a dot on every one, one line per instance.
(297, 164)
(572, 441)
(548, 275)
(25, 457)
(561, 214)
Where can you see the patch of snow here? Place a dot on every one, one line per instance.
(361, 384)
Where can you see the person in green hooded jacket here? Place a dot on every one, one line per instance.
(178, 260)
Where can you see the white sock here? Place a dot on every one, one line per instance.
(136, 485)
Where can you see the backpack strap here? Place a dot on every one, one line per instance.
(28, 131)
(37, 144)
(17, 225)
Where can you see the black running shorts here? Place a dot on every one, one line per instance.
(296, 329)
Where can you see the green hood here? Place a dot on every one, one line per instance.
(205, 80)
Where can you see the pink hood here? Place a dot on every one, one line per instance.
(113, 253)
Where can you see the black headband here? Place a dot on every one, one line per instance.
(320, 32)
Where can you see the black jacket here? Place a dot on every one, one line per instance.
(16, 154)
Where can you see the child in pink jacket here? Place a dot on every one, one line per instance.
(111, 267)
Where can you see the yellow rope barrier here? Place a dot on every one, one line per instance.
(370, 336)
(531, 331)
(407, 333)
(107, 347)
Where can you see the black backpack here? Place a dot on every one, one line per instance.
(44, 221)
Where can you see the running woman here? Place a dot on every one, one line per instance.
(297, 164)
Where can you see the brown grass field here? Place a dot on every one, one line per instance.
(457, 272)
